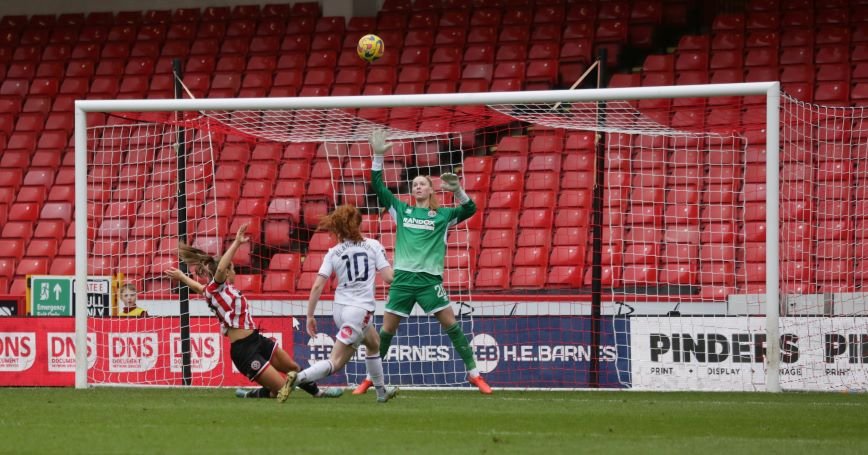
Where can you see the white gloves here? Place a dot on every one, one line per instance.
(449, 182)
(378, 143)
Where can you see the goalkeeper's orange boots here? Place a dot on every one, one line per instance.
(480, 383)
(363, 387)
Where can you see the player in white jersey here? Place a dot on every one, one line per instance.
(258, 357)
(355, 261)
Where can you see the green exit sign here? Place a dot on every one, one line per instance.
(55, 296)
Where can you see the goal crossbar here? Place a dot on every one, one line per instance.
(770, 89)
(451, 99)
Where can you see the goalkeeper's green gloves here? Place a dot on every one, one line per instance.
(449, 182)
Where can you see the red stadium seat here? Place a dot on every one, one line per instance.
(571, 217)
(24, 211)
(570, 236)
(12, 247)
(279, 282)
(33, 266)
(567, 255)
(678, 273)
(312, 261)
(249, 283)
(540, 199)
(485, 16)
(528, 277)
(278, 208)
(313, 211)
(62, 265)
(50, 229)
(535, 218)
(321, 241)
(507, 182)
(492, 278)
(457, 280)
(717, 273)
(505, 200)
(501, 219)
(530, 256)
(481, 164)
(566, 276)
(7, 267)
(42, 248)
(639, 275)
(285, 262)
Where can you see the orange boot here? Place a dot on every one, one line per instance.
(480, 383)
(363, 387)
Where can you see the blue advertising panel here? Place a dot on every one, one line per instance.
(512, 351)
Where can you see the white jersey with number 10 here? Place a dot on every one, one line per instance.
(355, 264)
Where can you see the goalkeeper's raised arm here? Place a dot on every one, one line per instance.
(380, 147)
(467, 207)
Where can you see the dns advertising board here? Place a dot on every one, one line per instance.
(41, 351)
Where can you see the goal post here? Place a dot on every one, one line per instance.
(533, 108)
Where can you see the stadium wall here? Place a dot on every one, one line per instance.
(645, 350)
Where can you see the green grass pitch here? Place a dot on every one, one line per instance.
(115, 420)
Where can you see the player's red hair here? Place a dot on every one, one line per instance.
(343, 222)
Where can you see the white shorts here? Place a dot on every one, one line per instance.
(352, 322)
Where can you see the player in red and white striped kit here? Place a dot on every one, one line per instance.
(258, 357)
(354, 261)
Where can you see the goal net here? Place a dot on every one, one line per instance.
(683, 263)
(279, 171)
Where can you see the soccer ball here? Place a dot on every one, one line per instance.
(370, 48)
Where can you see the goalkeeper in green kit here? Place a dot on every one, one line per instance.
(420, 246)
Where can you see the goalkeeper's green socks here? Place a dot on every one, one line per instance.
(385, 342)
(459, 341)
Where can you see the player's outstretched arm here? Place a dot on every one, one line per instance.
(180, 276)
(241, 238)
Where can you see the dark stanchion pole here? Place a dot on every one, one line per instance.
(183, 291)
(597, 232)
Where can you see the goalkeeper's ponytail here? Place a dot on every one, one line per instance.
(433, 202)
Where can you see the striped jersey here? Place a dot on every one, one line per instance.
(229, 306)
(355, 264)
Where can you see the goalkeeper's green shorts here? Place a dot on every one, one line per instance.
(431, 297)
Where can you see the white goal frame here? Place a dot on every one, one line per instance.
(770, 89)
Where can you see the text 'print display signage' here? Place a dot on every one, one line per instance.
(728, 353)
